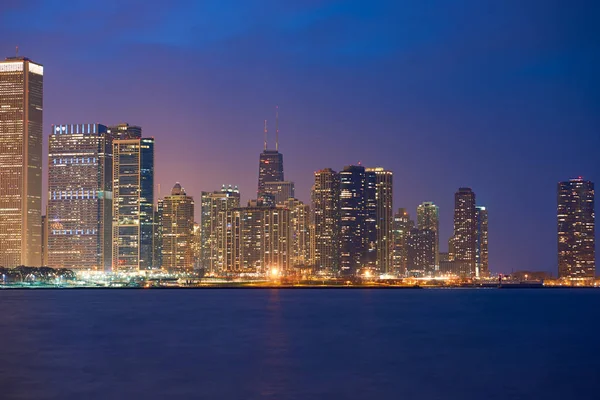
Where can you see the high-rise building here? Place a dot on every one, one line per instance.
(402, 225)
(259, 241)
(299, 233)
(270, 166)
(576, 229)
(462, 244)
(44, 241)
(177, 222)
(133, 204)
(326, 220)
(21, 97)
(158, 234)
(79, 212)
(379, 204)
(421, 252)
(280, 192)
(428, 217)
(197, 246)
(353, 217)
(125, 131)
(481, 243)
(214, 228)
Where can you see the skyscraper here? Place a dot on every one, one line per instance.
(214, 227)
(79, 212)
(428, 217)
(401, 229)
(21, 96)
(177, 222)
(326, 220)
(300, 254)
(270, 166)
(133, 204)
(383, 216)
(352, 219)
(280, 191)
(576, 229)
(462, 243)
(481, 243)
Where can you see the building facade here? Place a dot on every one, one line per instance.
(428, 217)
(79, 212)
(177, 222)
(300, 253)
(481, 243)
(462, 245)
(133, 204)
(576, 229)
(380, 206)
(401, 228)
(215, 229)
(326, 220)
(421, 252)
(21, 96)
(279, 192)
(352, 219)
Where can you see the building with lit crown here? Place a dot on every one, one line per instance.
(576, 229)
(79, 212)
(21, 111)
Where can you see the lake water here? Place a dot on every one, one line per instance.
(300, 344)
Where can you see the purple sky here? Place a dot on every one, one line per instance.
(500, 96)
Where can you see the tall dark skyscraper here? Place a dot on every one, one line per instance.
(576, 229)
(481, 243)
(428, 217)
(353, 219)
(133, 205)
(21, 97)
(326, 220)
(79, 210)
(462, 245)
(270, 166)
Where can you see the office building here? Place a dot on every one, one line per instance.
(21, 99)
(214, 228)
(402, 226)
(279, 192)
(326, 220)
(481, 243)
(177, 222)
(300, 253)
(379, 203)
(576, 230)
(352, 219)
(79, 212)
(428, 217)
(462, 245)
(270, 166)
(133, 204)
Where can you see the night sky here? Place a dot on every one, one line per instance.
(499, 96)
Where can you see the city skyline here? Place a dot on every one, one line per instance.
(508, 157)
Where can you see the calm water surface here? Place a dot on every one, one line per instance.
(300, 344)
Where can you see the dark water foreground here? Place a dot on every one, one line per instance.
(300, 344)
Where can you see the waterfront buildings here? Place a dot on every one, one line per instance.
(133, 204)
(481, 242)
(177, 228)
(428, 217)
(215, 231)
(326, 220)
(380, 206)
(21, 98)
(462, 245)
(576, 229)
(401, 227)
(79, 212)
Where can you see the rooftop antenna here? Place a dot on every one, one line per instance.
(265, 134)
(276, 128)
(17, 51)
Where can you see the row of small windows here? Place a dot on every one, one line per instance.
(73, 194)
(74, 231)
(82, 160)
